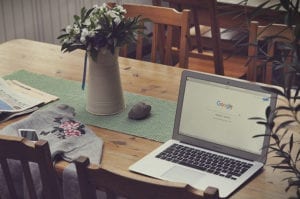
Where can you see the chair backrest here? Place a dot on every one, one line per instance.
(195, 6)
(278, 33)
(164, 21)
(92, 177)
(18, 148)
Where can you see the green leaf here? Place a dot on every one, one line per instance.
(291, 142)
(297, 108)
(273, 90)
(256, 118)
(288, 108)
(82, 12)
(298, 156)
(297, 94)
(284, 124)
(275, 137)
(76, 18)
(261, 122)
(285, 4)
(258, 10)
(288, 168)
(260, 135)
(284, 133)
(62, 36)
(282, 147)
(88, 13)
(292, 183)
(285, 161)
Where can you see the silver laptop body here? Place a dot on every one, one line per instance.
(213, 116)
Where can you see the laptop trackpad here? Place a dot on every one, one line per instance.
(184, 175)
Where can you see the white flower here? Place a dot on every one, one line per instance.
(69, 28)
(121, 9)
(87, 22)
(76, 29)
(98, 27)
(117, 20)
(84, 33)
(94, 19)
(112, 14)
(91, 33)
(103, 7)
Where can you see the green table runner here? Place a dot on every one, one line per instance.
(158, 126)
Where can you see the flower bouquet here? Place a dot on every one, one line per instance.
(100, 28)
(101, 31)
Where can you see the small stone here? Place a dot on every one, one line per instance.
(139, 111)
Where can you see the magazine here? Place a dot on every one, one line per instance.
(17, 99)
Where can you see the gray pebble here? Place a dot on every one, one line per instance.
(139, 111)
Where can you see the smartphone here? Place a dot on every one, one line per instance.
(30, 134)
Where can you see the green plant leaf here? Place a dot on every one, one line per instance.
(273, 90)
(261, 122)
(82, 13)
(298, 156)
(258, 10)
(282, 147)
(291, 142)
(276, 138)
(292, 183)
(284, 133)
(287, 108)
(257, 118)
(260, 135)
(88, 13)
(284, 124)
(62, 36)
(287, 168)
(297, 108)
(76, 18)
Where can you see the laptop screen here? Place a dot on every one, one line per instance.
(219, 112)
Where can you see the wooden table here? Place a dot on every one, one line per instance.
(121, 150)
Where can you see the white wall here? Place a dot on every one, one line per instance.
(42, 20)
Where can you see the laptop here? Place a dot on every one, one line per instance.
(212, 142)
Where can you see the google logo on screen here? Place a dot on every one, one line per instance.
(224, 105)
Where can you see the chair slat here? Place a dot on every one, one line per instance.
(8, 178)
(168, 46)
(28, 179)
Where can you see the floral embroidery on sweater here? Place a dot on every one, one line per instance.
(67, 128)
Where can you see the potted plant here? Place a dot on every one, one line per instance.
(101, 31)
(284, 121)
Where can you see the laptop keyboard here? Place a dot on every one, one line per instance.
(204, 161)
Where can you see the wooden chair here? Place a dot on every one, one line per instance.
(18, 148)
(163, 20)
(260, 67)
(213, 31)
(92, 177)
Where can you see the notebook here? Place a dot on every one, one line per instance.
(212, 142)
